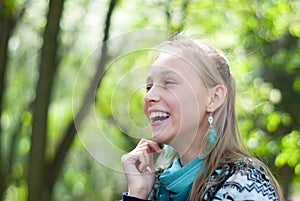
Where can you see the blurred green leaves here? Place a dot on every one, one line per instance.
(290, 151)
(261, 39)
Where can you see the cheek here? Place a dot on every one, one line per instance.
(192, 104)
(145, 107)
(188, 97)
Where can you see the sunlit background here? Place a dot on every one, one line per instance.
(49, 152)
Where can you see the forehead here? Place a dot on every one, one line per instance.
(168, 64)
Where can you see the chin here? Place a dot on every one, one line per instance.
(161, 138)
(158, 139)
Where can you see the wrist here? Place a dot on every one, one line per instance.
(139, 193)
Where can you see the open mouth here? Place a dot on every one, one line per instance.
(159, 116)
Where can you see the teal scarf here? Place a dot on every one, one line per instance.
(176, 181)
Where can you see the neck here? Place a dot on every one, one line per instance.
(187, 157)
(187, 154)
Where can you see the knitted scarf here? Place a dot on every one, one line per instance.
(176, 181)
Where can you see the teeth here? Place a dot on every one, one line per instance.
(158, 116)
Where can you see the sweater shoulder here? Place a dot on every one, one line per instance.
(242, 180)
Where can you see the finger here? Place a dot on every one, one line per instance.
(148, 157)
(143, 162)
(148, 154)
(136, 162)
(141, 157)
(148, 163)
(152, 145)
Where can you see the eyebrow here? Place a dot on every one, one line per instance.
(163, 73)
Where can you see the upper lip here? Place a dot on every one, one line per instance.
(156, 110)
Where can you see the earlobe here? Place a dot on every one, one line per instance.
(217, 98)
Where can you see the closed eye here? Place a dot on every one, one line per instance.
(169, 82)
(148, 87)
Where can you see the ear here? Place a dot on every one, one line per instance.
(217, 98)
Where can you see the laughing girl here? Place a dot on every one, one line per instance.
(190, 104)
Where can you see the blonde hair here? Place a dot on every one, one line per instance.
(213, 68)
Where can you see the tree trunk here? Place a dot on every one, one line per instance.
(283, 80)
(287, 177)
(6, 28)
(48, 66)
(55, 166)
(8, 22)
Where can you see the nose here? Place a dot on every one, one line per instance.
(153, 95)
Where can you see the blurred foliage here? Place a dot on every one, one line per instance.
(261, 39)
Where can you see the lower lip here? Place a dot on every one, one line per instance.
(158, 123)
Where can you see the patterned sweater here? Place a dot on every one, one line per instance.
(245, 180)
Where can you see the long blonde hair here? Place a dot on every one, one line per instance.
(213, 68)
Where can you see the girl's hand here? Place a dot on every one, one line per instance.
(139, 170)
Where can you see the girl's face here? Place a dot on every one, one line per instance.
(176, 102)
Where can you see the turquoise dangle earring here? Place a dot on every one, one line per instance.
(212, 134)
